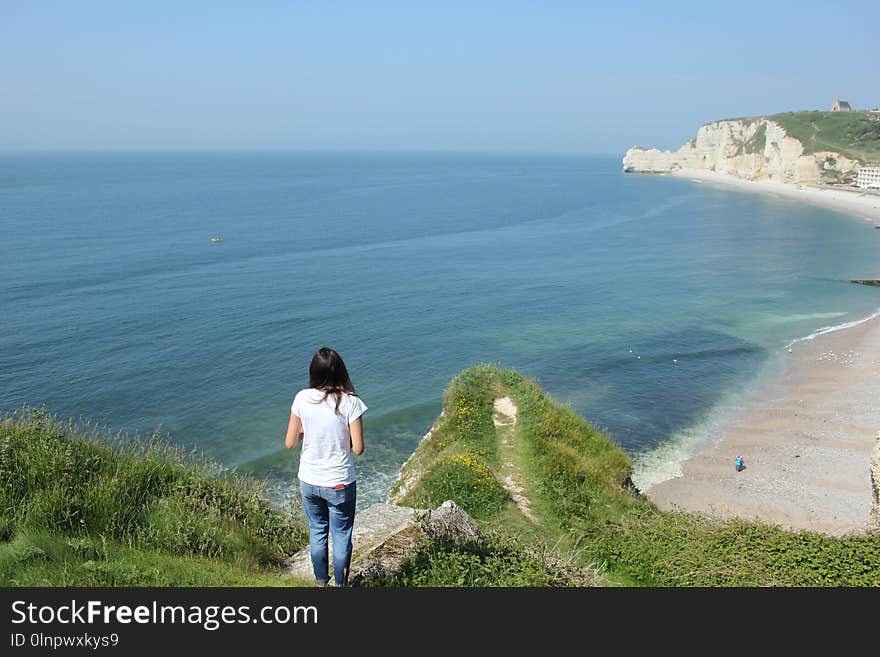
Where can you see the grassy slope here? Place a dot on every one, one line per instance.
(853, 134)
(577, 479)
(79, 511)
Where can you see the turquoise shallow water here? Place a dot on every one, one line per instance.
(641, 301)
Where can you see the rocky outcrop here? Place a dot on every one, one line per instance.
(752, 149)
(385, 535)
(868, 281)
(447, 523)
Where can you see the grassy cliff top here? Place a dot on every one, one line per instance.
(576, 481)
(853, 134)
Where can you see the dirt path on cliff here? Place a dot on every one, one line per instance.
(511, 477)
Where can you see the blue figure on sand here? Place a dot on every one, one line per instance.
(740, 463)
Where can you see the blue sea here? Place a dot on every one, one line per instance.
(643, 302)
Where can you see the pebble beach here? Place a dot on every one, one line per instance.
(808, 436)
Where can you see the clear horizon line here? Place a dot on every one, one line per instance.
(293, 151)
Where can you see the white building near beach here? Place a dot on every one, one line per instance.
(869, 178)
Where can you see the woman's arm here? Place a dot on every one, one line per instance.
(357, 436)
(294, 432)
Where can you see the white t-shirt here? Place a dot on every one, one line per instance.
(326, 457)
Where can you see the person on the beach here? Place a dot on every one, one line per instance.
(326, 416)
(739, 463)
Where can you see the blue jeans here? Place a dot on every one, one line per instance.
(329, 508)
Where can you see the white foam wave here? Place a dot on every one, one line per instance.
(665, 461)
(831, 329)
(805, 317)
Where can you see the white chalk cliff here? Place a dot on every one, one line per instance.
(752, 149)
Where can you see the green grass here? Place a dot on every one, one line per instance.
(462, 452)
(463, 477)
(495, 561)
(853, 134)
(77, 509)
(677, 549)
(578, 482)
(39, 559)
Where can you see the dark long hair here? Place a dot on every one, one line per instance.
(328, 372)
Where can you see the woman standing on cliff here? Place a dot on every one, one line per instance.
(326, 416)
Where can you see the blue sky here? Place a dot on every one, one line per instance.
(463, 76)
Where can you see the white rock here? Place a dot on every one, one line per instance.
(721, 147)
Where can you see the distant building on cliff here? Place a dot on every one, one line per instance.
(841, 106)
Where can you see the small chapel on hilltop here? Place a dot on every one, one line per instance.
(841, 106)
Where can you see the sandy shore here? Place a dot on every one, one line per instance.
(807, 436)
(808, 433)
(861, 204)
